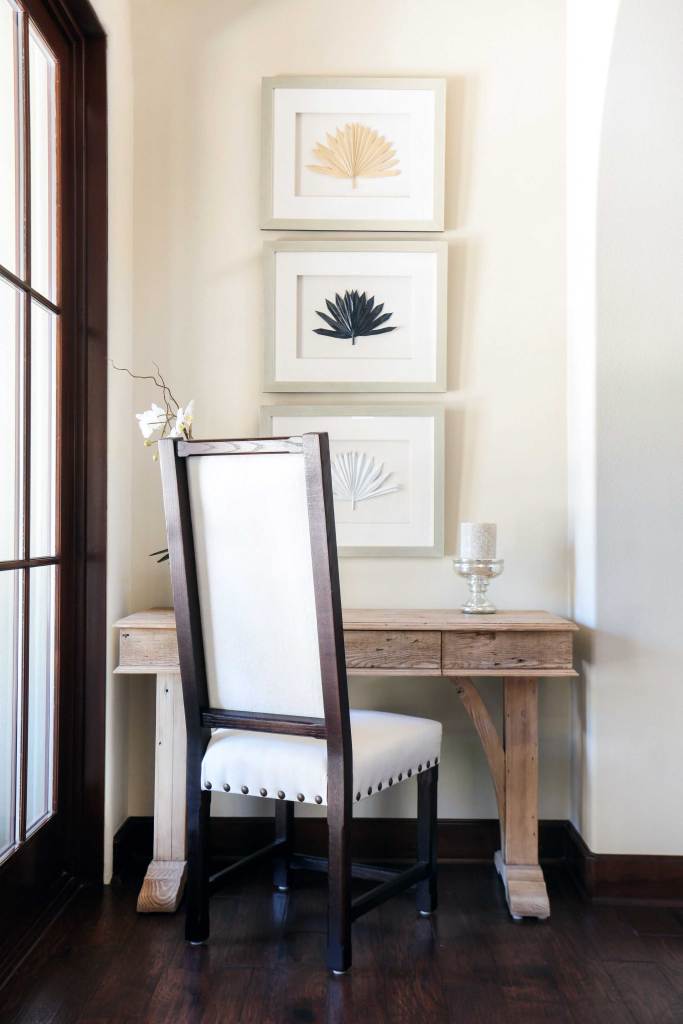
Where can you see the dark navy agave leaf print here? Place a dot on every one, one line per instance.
(354, 316)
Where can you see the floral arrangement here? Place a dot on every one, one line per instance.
(170, 419)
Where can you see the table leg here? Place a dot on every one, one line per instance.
(164, 882)
(517, 862)
(514, 771)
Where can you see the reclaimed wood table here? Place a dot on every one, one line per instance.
(519, 647)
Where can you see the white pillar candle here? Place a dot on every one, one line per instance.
(478, 541)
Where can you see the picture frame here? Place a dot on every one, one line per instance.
(398, 294)
(353, 153)
(387, 472)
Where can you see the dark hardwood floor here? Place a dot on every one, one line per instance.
(470, 964)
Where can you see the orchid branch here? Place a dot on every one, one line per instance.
(166, 388)
(156, 422)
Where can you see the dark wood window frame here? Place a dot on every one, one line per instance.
(82, 552)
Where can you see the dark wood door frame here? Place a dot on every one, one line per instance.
(82, 631)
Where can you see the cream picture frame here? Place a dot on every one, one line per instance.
(302, 279)
(387, 470)
(391, 128)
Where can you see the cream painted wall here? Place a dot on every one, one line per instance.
(590, 33)
(115, 18)
(625, 251)
(192, 267)
(198, 305)
(637, 701)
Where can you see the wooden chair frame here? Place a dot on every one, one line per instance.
(335, 727)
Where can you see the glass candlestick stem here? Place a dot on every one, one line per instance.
(478, 574)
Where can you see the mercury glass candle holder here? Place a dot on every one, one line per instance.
(478, 573)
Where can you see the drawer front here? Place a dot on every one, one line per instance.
(379, 649)
(509, 649)
(140, 647)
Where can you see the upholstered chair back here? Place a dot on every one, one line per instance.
(254, 568)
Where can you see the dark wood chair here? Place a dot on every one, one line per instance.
(256, 590)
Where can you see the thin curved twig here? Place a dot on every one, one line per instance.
(135, 376)
(165, 387)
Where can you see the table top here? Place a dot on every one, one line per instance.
(444, 619)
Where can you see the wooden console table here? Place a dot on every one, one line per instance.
(519, 647)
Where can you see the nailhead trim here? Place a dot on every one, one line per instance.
(318, 799)
(399, 778)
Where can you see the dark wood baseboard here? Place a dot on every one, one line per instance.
(624, 878)
(601, 878)
(383, 840)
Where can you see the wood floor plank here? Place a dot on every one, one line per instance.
(522, 1012)
(667, 951)
(579, 979)
(653, 921)
(360, 996)
(102, 963)
(647, 992)
(207, 996)
(413, 980)
(603, 934)
(131, 977)
(481, 1003)
(593, 1011)
(297, 994)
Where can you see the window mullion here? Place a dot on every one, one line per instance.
(25, 158)
(23, 702)
(43, 300)
(19, 235)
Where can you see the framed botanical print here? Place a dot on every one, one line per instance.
(387, 473)
(353, 153)
(355, 316)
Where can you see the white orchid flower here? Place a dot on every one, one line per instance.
(183, 421)
(151, 420)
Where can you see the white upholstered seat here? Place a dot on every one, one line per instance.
(387, 749)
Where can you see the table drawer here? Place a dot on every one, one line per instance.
(379, 649)
(509, 649)
(141, 647)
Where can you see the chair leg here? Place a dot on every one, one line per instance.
(426, 837)
(339, 886)
(284, 818)
(197, 889)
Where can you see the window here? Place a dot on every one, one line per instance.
(52, 454)
(30, 328)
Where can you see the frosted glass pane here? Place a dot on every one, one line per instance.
(40, 694)
(43, 164)
(10, 392)
(10, 219)
(9, 653)
(43, 401)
